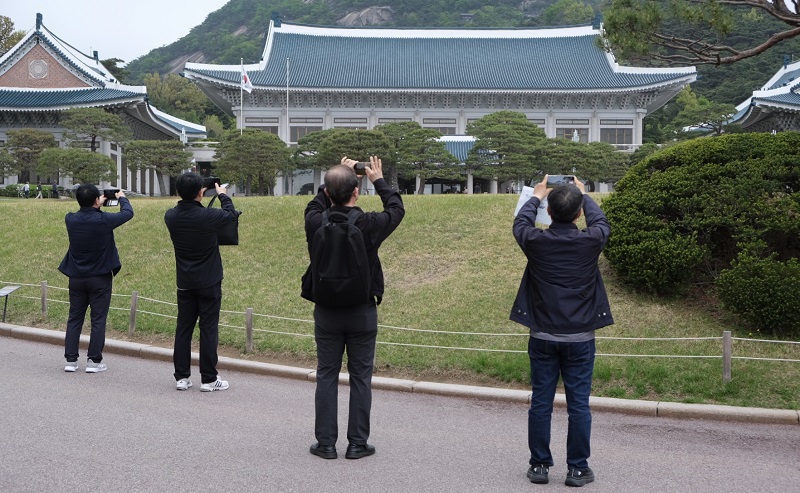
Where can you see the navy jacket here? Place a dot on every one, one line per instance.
(193, 229)
(562, 291)
(92, 250)
(374, 226)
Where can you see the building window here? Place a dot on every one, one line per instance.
(272, 130)
(444, 130)
(572, 122)
(255, 119)
(298, 133)
(438, 121)
(350, 120)
(350, 127)
(616, 122)
(616, 136)
(305, 120)
(569, 132)
(393, 120)
(536, 121)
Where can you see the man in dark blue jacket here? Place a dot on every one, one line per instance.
(193, 229)
(354, 328)
(562, 300)
(91, 263)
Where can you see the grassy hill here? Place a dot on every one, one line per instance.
(451, 266)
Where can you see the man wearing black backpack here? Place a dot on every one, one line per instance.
(345, 282)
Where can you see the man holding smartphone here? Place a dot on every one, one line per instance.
(193, 230)
(91, 263)
(562, 300)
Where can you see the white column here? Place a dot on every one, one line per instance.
(416, 186)
(493, 186)
(469, 182)
(280, 183)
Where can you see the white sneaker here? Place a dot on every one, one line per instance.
(212, 386)
(183, 384)
(71, 366)
(92, 367)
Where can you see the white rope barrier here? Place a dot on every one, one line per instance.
(764, 340)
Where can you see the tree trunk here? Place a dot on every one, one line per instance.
(421, 190)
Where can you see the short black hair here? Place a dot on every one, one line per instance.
(340, 181)
(565, 202)
(188, 185)
(87, 194)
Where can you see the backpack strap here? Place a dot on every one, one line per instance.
(211, 202)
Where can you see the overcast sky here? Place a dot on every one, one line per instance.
(115, 28)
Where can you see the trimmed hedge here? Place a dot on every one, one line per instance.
(683, 215)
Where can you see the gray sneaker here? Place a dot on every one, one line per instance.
(579, 477)
(92, 367)
(71, 366)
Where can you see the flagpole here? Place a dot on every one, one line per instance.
(241, 97)
(288, 131)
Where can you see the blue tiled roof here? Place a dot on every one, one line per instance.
(439, 63)
(788, 98)
(11, 99)
(789, 78)
(459, 148)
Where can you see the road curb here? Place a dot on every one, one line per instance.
(606, 404)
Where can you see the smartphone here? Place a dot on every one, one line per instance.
(361, 168)
(553, 180)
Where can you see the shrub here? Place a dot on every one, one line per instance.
(764, 292)
(682, 215)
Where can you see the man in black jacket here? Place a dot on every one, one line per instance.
(562, 300)
(91, 263)
(354, 328)
(193, 229)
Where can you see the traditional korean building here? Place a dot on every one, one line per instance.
(313, 78)
(776, 106)
(43, 75)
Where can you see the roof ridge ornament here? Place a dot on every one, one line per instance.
(38, 21)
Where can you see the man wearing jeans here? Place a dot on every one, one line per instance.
(562, 300)
(91, 263)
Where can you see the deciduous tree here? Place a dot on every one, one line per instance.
(8, 36)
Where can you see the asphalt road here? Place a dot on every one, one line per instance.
(129, 430)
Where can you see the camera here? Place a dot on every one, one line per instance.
(209, 183)
(361, 168)
(553, 180)
(110, 195)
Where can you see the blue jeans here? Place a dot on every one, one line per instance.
(574, 361)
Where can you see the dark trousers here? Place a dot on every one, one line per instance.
(355, 330)
(85, 292)
(193, 304)
(574, 361)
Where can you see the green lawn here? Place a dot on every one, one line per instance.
(452, 265)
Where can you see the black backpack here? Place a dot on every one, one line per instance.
(339, 265)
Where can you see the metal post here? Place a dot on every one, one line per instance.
(134, 306)
(726, 356)
(249, 324)
(43, 285)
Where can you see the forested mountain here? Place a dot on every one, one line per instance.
(238, 29)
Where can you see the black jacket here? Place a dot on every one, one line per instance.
(92, 250)
(374, 226)
(193, 229)
(562, 291)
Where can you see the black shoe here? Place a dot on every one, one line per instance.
(355, 451)
(579, 477)
(538, 474)
(324, 451)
